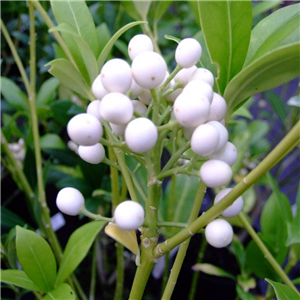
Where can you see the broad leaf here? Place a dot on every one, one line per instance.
(9, 219)
(176, 207)
(62, 292)
(36, 259)
(78, 16)
(90, 63)
(46, 93)
(283, 292)
(227, 27)
(212, 270)
(268, 71)
(18, 278)
(13, 95)
(112, 41)
(261, 7)
(68, 75)
(278, 29)
(77, 248)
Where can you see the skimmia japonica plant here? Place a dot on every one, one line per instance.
(137, 136)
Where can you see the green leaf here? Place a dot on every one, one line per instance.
(18, 278)
(269, 71)
(244, 295)
(52, 141)
(13, 95)
(282, 291)
(177, 201)
(277, 105)
(89, 60)
(278, 29)
(62, 292)
(160, 9)
(131, 9)
(293, 229)
(10, 219)
(36, 259)
(11, 249)
(212, 270)
(77, 248)
(142, 7)
(77, 15)
(103, 35)
(68, 75)
(47, 91)
(264, 6)
(274, 217)
(227, 27)
(111, 42)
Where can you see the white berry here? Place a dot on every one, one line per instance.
(94, 109)
(129, 215)
(141, 135)
(135, 90)
(149, 69)
(117, 129)
(199, 87)
(188, 52)
(234, 209)
(70, 201)
(203, 74)
(218, 108)
(215, 173)
(191, 110)
(139, 107)
(116, 108)
(184, 75)
(219, 233)
(138, 44)
(85, 129)
(227, 154)
(145, 96)
(116, 75)
(204, 140)
(223, 132)
(92, 154)
(98, 89)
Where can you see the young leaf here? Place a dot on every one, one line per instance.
(68, 75)
(78, 16)
(89, 60)
(18, 278)
(282, 291)
(212, 270)
(13, 95)
(111, 42)
(227, 27)
(36, 259)
(126, 238)
(268, 71)
(63, 291)
(77, 247)
(278, 29)
(46, 92)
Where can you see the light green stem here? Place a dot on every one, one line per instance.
(284, 146)
(184, 246)
(267, 254)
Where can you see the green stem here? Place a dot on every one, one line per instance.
(184, 246)
(284, 146)
(120, 272)
(267, 254)
(16, 57)
(93, 272)
(95, 217)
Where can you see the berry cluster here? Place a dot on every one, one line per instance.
(124, 95)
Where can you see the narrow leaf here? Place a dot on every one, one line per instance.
(227, 27)
(62, 292)
(13, 95)
(78, 16)
(111, 42)
(269, 71)
(77, 248)
(273, 30)
(282, 291)
(142, 7)
(126, 238)
(46, 93)
(68, 75)
(212, 270)
(264, 6)
(18, 278)
(130, 9)
(36, 259)
(161, 8)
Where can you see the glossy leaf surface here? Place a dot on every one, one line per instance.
(77, 247)
(226, 26)
(18, 278)
(282, 291)
(36, 259)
